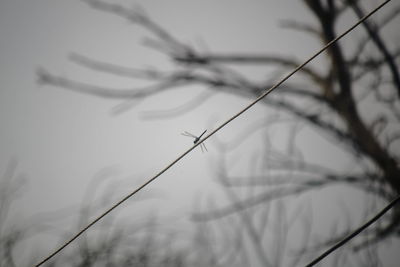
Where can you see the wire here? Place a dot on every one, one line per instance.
(356, 232)
(268, 91)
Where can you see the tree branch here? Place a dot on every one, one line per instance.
(380, 44)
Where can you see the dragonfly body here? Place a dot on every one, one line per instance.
(197, 139)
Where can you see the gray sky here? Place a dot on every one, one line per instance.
(63, 139)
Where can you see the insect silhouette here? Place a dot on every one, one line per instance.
(196, 139)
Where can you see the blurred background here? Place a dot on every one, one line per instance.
(94, 96)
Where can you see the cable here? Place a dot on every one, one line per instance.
(210, 134)
(356, 232)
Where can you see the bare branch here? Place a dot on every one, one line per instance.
(166, 41)
(362, 44)
(302, 27)
(118, 70)
(49, 79)
(375, 37)
(251, 59)
(177, 111)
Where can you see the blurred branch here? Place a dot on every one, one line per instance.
(293, 187)
(302, 27)
(129, 93)
(374, 34)
(12, 233)
(115, 69)
(195, 102)
(362, 43)
(249, 227)
(252, 59)
(356, 232)
(165, 41)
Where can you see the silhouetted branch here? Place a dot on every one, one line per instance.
(252, 59)
(116, 69)
(380, 44)
(302, 27)
(164, 39)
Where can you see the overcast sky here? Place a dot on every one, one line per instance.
(63, 140)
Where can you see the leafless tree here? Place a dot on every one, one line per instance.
(334, 101)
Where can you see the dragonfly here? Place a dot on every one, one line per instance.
(196, 139)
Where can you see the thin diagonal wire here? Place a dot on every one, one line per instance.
(210, 134)
(356, 232)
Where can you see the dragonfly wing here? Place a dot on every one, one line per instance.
(204, 145)
(189, 134)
